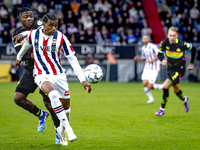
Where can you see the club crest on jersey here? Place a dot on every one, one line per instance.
(54, 42)
(178, 49)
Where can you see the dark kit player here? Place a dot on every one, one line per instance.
(175, 61)
(26, 84)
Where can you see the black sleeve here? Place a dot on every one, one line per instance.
(18, 46)
(193, 54)
(161, 55)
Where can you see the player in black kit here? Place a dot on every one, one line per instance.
(26, 84)
(175, 61)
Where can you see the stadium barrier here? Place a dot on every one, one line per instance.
(125, 70)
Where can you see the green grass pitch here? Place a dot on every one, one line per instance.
(114, 116)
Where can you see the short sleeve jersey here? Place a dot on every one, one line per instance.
(150, 52)
(174, 52)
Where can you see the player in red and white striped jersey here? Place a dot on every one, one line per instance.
(48, 44)
(151, 68)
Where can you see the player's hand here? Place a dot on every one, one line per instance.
(164, 62)
(190, 66)
(136, 58)
(150, 61)
(18, 63)
(17, 37)
(87, 86)
(32, 56)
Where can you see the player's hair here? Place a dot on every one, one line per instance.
(172, 28)
(21, 10)
(49, 16)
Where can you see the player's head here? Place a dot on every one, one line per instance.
(50, 23)
(172, 34)
(145, 39)
(25, 16)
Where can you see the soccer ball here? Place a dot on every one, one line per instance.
(93, 73)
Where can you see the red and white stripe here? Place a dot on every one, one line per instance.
(150, 52)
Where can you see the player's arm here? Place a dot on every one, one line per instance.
(18, 43)
(137, 58)
(69, 54)
(26, 46)
(191, 48)
(161, 54)
(142, 58)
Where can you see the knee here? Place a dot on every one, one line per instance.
(175, 90)
(19, 98)
(165, 87)
(145, 84)
(150, 86)
(53, 95)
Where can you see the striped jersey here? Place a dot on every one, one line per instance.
(150, 52)
(47, 51)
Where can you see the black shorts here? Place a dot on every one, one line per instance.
(176, 74)
(27, 85)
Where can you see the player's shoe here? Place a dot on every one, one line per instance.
(185, 103)
(160, 112)
(150, 101)
(42, 120)
(61, 132)
(57, 137)
(71, 135)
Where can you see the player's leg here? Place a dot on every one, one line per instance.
(25, 86)
(54, 117)
(177, 90)
(66, 105)
(145, 85)
(166, 85)
(49, 88)
(64, 95)
(152, 80)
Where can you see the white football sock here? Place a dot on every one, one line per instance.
(148, 93)
(68, 111)
(158, 86)
(58, 109)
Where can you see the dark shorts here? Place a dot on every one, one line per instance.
(175, 75)
(27, 85)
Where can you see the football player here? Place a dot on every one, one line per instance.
(174, 50)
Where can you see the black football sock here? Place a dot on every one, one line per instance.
(180, 95)
(36, 111)
(165, 97)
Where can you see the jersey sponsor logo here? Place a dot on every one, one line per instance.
(48, 48)
(175, 55)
